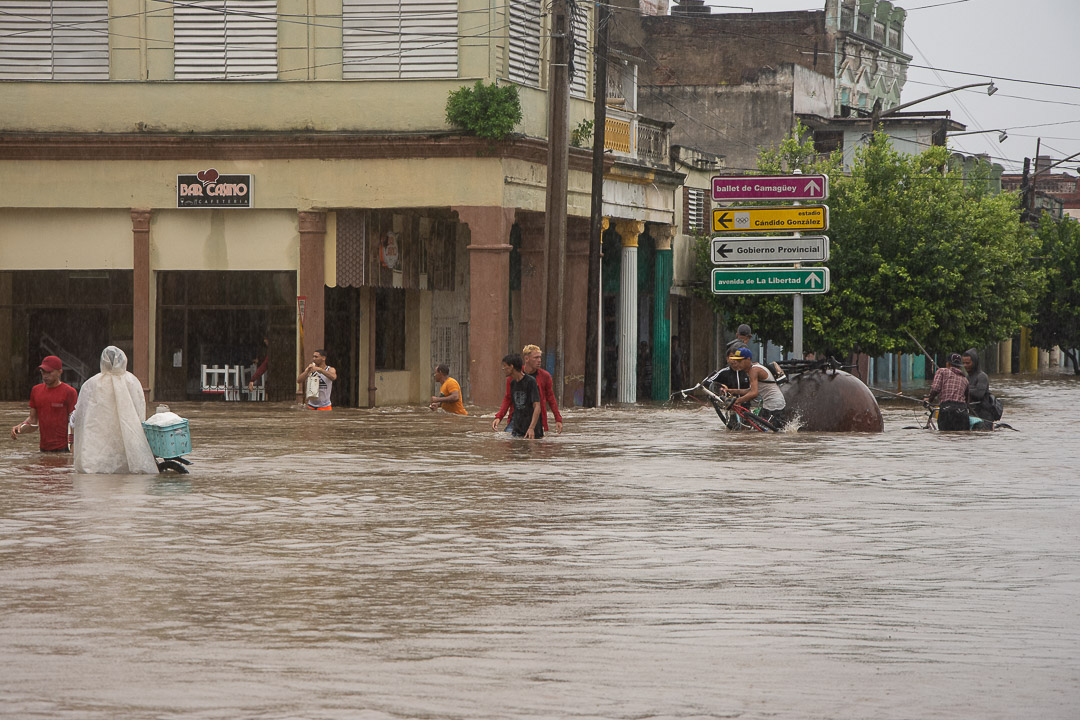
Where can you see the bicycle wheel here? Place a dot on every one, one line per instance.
(758, 423)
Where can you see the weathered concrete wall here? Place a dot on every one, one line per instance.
(730, 49)
(730, 120)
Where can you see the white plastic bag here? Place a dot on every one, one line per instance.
(312, 391)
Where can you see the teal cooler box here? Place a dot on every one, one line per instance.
(168, 441)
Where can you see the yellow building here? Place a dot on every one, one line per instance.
(185, 179)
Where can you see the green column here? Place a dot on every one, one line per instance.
(661, 320)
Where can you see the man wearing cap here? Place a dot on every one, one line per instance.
(728, 376)
(762, 385)
(742, 339)
(950, 385)
(51, 404)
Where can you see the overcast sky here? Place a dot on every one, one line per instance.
(1008, 41)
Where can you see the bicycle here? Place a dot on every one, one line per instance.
(733, 415)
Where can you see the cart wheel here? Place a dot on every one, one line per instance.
(172, 465)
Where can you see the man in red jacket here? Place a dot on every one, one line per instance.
(532, 356)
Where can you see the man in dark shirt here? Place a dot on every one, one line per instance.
(525, 395)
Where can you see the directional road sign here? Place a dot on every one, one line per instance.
(791, 218)
(770, 281)
(732, 188)
(768, 250)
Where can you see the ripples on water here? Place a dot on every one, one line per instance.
(647, 563)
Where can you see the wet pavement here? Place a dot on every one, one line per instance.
(645, 564)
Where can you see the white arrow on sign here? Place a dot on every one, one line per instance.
(813, 280)
(812, 188)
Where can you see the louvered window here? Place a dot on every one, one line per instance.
(695, 210)
(580, 18)
(524, 65)
(225, 40)
(399, 39)
(54, 40)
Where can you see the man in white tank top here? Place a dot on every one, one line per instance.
(762, 387)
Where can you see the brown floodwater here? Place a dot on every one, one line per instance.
(648, 563)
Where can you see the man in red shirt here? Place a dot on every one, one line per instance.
(533, 357)
(51, 404)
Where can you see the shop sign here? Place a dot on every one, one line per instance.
(208, 189)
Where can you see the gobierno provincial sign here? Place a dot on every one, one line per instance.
(209, 189)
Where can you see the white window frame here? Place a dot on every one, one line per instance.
(54, 40)
(399, 39)
(225, 40)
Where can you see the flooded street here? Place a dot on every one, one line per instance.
(645, 564)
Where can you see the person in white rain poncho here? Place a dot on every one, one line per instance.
(107, 422)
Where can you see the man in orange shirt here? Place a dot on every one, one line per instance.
(449, 396)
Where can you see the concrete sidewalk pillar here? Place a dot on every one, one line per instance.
(629, 231)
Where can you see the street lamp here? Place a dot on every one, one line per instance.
(1002, 134)
(990, 90)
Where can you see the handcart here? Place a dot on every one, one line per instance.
(169, 443)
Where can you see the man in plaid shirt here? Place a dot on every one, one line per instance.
(951, 386)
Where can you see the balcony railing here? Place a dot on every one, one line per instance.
(637, 137)
(617, 135)
(653, 142)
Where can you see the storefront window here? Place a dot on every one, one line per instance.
(389, 329)
(73, 314)
(211, 319)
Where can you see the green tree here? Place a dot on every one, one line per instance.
(914, 252)
(1058, 315)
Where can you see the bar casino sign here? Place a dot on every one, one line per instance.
(208, 189)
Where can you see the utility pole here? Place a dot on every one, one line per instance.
(592, 305)
(558, 167)
(1025, 192)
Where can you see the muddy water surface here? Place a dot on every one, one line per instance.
(645, 564)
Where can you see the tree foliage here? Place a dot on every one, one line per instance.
(1058, 315)
(914, 252)
(487, 111)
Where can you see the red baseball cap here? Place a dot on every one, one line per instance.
(50, 363)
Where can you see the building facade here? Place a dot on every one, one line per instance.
(184, 180)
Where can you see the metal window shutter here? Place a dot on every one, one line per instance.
(579, 86)
(80, 40)
(54, 40)
(399, 39)
(225, 39)
(524, 56)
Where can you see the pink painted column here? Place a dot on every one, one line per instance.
(139, 364)
(533, 279)
(489, 298)
(311, 281)
(576, 302)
